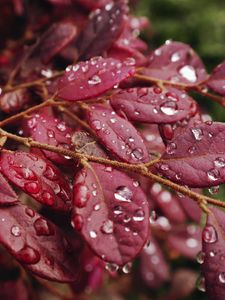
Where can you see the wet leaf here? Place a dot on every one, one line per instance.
(118, 135)
(15, 101)
(216, 81)
(37, 177)
(7, 194)
(93, 77)
(111, 212)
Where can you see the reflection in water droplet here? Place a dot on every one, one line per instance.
(219, 162)
(197, 133)
(123, 193)
(201, 284)
(137, 154)
(171, 148)
(222, 277)
(209, 234)
(107, 227)
(32, 187)
(213, 174)
(188, 72)
(200, 257)
(127, 268)
(15, 230)
(169, 108)
(93, 234)
(112, 268)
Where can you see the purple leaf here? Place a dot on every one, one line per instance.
(195, 157)
(191, 207)
(153, 266)
(55, 39)
(176, 62)
(216, 81)
(152, 138)
(102, 29)
(118, 135)
(46, 129)
(7, 194)
(37, 177)
(37, 244)
(152, 105)
(94, 77)
(213, 245)
(112, 213)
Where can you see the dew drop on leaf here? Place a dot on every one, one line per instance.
(201, 284)
(139, 215)
(107, 227)
(209, 234)
(200, 257)
(222, 277)
(15, 231)
(127, 268)
(123, 193)
(197, 133)
(28, 255)
(112, 268)
(188, 72)
(32, 187)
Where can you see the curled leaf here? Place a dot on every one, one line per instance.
(37, 244)
(112, 213)
(152, 105)
(37, 177)
(195, 157)
(118, 135)
(93, 77)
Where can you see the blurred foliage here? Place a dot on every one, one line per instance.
(199, 23)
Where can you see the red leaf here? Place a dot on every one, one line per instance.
(102, 29)
(216, 81)
(13, 102)
(94, 77)
(46, 129)
(195, 157)
(153, 266)
(176, 62)
(118, 135)
(37, 177)
(152, 105)
(213, 245)
(152, 138)
(7, 194)
(55, 39)
(191, 207)
(37, 244)
(186, 241)
(112, 213)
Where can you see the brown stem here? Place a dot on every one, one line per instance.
(218, 99)
(138, 168)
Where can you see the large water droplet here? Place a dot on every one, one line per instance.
(137, 154)
(209, 234)
(213, 174)
(123, 193)
(188, 72)
(32, 187)
(15, 230)
(219, 162)
(107, 227)
(169, 108)
(43, 227)
(94, 80)
(139, 215)
(118, 210)
(28, 255)
(127, 268)
(197, 133)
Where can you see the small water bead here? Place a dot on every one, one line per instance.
(164, 167)
(32, 187)
(169, 108)
(32, 123)
(201, 284)
(94, 193)
(43, 227)
(213, 174)
(212, 253)
(137, 154)
(93, 234)
(123, 193)
(191, 149)
(136, 183)
(139, 215)
(113, 120)
(61, 127)
(28, 255)
(96, 124)
(118, 210)
(209, 234)
(127, 268)
(131, 140)
(197, 133)
(50, 173)
(188, 72)
(222, 277)
(77, 222)
(214, 190)
(50, 133)
(175, 57)
(94, 80)
(219, 162)
(171, 148)
(112, 268)
(15, 230)
(107, 227)
(130, 61)
(108, 169)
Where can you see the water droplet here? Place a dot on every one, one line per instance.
(123, 193)
(201, 284)
(113, 120)
(130, 61)
(171, 148)
(96, 125)
(136, 183)
(43, 227)
(61, 126)
(127, 268)
(137, 154)
(28, 255)
(209, 234)
(94, 80)
(222, 277)
(131, 140)
(77, 222)
(139, 215)
(169, 108)
(107, 227)
(191, 149)
(197, 133)
(175, 57)
(112, 268)
(32, 187)
(26, 173)
(93, 234)
(153, 217)
(50, 173)
(164, 167)
(188, 72)
(212, 253)
(219, 162)
(50, 133)
(118, 210)
(213, 175)
(15, 230)
(214, 190)
(200, 257)
(158, 52)
(31, 123)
